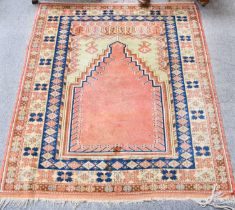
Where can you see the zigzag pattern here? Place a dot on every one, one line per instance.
(106, 55)
(160, 141)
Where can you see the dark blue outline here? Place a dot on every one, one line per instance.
(143, 73)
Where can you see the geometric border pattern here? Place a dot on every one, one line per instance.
(204, 163)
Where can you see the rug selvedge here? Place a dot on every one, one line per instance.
(72, 49)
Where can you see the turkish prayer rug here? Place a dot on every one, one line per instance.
(116, 102)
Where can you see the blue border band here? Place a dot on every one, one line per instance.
(58, 73)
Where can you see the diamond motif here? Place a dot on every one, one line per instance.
(145, 164)
(48, 148)
(60, 164)
(102, 165)
(187, 163)
(160, 164)
(47, 156)
(52, 116)
(74, 165)
(88, 165)
(173, 163)
(49, 139)
(50, 131)
(46, 164)
(132, 164)
(186, 155)
(117, 165)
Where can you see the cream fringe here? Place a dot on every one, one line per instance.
(215, 200)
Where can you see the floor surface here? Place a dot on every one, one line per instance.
(16, 20)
